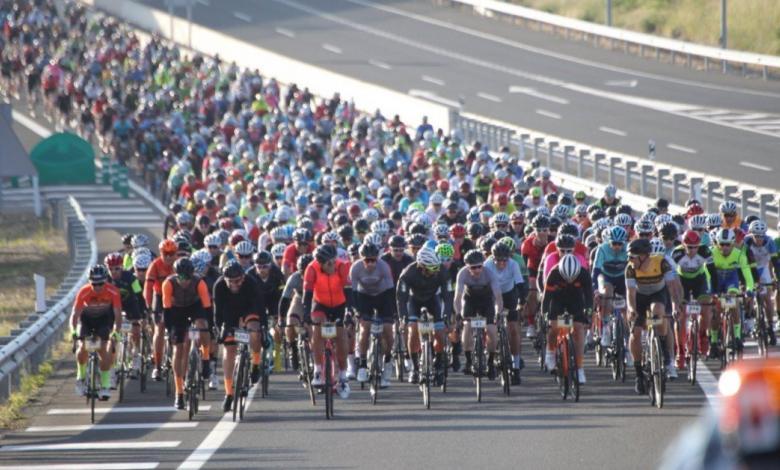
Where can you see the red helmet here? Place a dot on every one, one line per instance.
(695, 209)
(113, 259)
(691, 238)
(167, 247)
(443, 185)
(503, 199)
(457, 231)
(235, 239)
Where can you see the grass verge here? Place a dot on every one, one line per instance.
(11, 414)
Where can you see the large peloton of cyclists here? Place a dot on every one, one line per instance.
(355, 248)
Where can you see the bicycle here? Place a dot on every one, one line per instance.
(478, 325)
(504, 357)
(266, 362)
(145, 351)
(762, 323)
(425, 329)
(375, 356)
(693, 312)
(195, 382)
(565, 360)
(121, 368)
(540, 341)
(167, 365)
(328, 331)
(241, 373)
(447, 357)
(730, 350)
(399, 352)
(92, 344)
(653, 363)
(306, 361)
(616, 351)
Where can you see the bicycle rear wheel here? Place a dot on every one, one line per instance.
(238, 382)
(562, 369)
(122, 372)
(479, 359)
(328, 385)
(398, 353)
(574, 381)
(425, 383)
(506, 361)
(376, 370)
(761, 328)
(144, 360)
(307, 372)
(693, 344)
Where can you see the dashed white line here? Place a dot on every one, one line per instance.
(756, 166)
(110, 427)
(610, 130)
(434, 80)
(380, 64)
(91, 446)
(548, 114)
(536, 94)
(242, 16)
(205, 3)
(86, 466)
(285, 32)
(708, 383)
(489, 97)
(119, 409)
(680, 148)
(331, 48)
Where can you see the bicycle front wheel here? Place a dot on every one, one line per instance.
(479, 359)
(93, 384)
(238, 381)
(328, 385)
(656, 364)
(122, 371)
(694, 351)
(506, 361)
(574, 381)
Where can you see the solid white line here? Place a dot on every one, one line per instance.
(242, 16)
(200, 456)
(537, 94)
(755, 166)
(119, 409)
(30, 124)
(489, 97)
(434, 80)
(610, 130)
(91, 446)
(623, 83)
(331, 48)
(681, 148)
(380, 64)
(86, 466)
(708, 383)
(111, 226)
(110, 427)
(286, 32)
(548, 114)
(709, 112)
(205, 3)
(745, 117)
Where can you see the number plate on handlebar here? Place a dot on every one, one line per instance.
(425, 327)
(478, 322)
(242, 336)
(328, 330)
(194, 334)
(654, 322)
(619, 304)
(126, 327)
(728, 302)
(92, 344)
(693, 309)
(567, 323)
(377, 328)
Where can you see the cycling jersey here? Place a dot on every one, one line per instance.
(689, 267)
(327, 289)
(128, 287)
(532, 253)
(291, 254)
(229, 307)
(609, 262)
(397, 266)
(371, 282)
(651, 279)
(562, 296)
(509, 277)
(482, 287)
(763, 256)
(414, 285)
(95, 304)
(728, 268)
(174, 295)
(158, 271)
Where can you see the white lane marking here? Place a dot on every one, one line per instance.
(755, 166)
(200, 456)
(548, 114)
(331, 48)
(242, 16)
(680, 148)
(431, 96)
(30, 124)
(610, 130)
(708, 383)
(536, 94)
(91, 446)
(434, 80)
(746, 117)
(537, 50)
(119, 409)
(86, 466)
(622, 83)
(489, 97)
(286, 32)
(205, 3)
(123, 225)
(710, 112)
(380, 64)
(110, 427)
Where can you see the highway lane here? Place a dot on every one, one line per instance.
(557, 96)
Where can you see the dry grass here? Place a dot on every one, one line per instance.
(753, 25)
(12, 412)
(27, 245)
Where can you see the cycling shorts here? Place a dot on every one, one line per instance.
(181, 319)
(381, 304)
(322, 314)
(698, 287)
(618, 284)
(434, 309)
(764, 275)
(644, 303)
(100, 325)
(556, 304)
(728, 281)
(479, 301)
(510, 303)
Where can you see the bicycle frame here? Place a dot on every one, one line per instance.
(329, 331)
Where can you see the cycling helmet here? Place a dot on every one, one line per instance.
(457, 231)
(302, 235)
(331, 237)
(517, 215)
(381, 227)
(569, 229)
(565, 242)
(475, 230)
(555, 222)
(728, 207)
(139, 241)
(428, 258)
(141, 260)
(474, 258)
(423, 219)
(639, 246)
(657, 246)
(581, 209)
(757, 227)
(371, 215)
(239, 235)
(500, 251)
(618, 234)
(303, 262)
(244, 248)
(623, 220)
(643, 226)
(232, 270)
(625, 209)
(561, 211)
(200, 261)
(668, 231)
(98, 274)
(691, 238)
(509, 242)
(262, 257)
(417, 240)
(500, 218)
(127, 238)
(325, 253)
(714, 220)
(345, 231)
(113, 259)
(361, 225)
(418, 228)
(540, 222)
(569, 267)
(698, 221)
(725, 236)
(441, 231)
(486, 244)
(610, 190)
(368, 250)
(183, 267)
(397, 241)
(277, 250)
(750, 219)
(374, 238)
(184, 218)
(445, 251)
(354, 249)
(437, 199)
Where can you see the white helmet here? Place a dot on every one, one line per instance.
(373, 238)
(569, 267)
(657, 246)
(757, 227)
(380, 227)
(427, 257)
(278, 250)
(245, 248)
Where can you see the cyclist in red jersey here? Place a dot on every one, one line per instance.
(158, 271)
(301, 245)
(532, 250)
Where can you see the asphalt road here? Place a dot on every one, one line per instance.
(726, 125)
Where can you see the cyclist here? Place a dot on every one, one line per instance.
(270, 284)
(158, 271)
(513, 287)
(302, 244)
(764, 251)
(423, 284)
(186, 301)
(648, 281)
(129, 288)
(372, 286)
(327, 291)
(609, 268)
(478, 292)
(397, 257)
(532, 250)
(235, 305)
(98, 307)
(291, 305)
(567, 289)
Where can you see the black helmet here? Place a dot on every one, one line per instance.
(625, 209)
(473, 258)
(302, 235)
(303, 262)
(346, 231)
(501, 251)
(486, 244)
(551, 198)
(417, 240)
(183, 245)
(418, 228)
(397, 241)
(325, 253)
(232, 270)
(541, 222)
(569, 229)
(475, 229)
(98, 274)
(354, 249)
(668, 231)
(565, 241)
(639, 246)
(175, 207)
(263, 257)
(340, 219)
(183, 267)
(127, 238)
(361, 225)
(555, 222)
(368, 250)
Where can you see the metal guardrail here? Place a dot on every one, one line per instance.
(28, 347)
(675, 48)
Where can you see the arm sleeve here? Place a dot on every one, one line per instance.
(218, 306)
(588, 293)
(402, 297)
(458, 292)
(167, 294)
(203, 294)
(746, 273)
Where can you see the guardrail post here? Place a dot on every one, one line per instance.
(581, 162)
(523, 138)
(596, 159)
(567, 149)
(40, 293)
(694, 188)
(630, 165)
(711, 186)
(728, 192)
(745, 196)
(765, 72)
(706, 64)
(764, 200)
(676, 179)
(613, 161)
(645, 170)
(550, 153)
(537, 142)
(659, 181)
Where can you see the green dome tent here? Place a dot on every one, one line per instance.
(64, 158)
